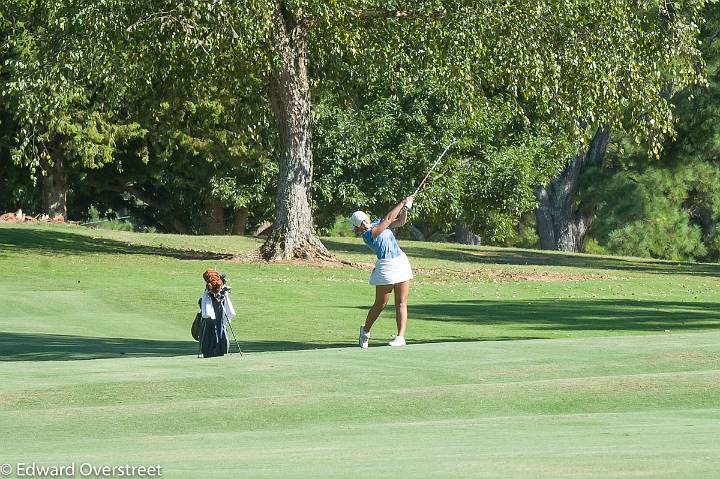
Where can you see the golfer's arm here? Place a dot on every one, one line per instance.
(401, 219)
(388, 220)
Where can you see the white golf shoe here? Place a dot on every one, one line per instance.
(363, 338)
(398, 341)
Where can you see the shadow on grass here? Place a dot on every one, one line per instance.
(576, 315)
(61, 242)
(265, 346)
(59, 347)
(459, 253)
(68, 242)
(521, 317)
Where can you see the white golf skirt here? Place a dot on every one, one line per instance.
(391, 271)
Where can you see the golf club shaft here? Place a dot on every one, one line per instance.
(427, 175)
(202, 335)
(235, 338)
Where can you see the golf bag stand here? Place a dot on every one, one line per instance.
(202, 336)
(234, 337)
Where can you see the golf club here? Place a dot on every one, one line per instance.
(235, 337)
(427, 175)
(202, 336)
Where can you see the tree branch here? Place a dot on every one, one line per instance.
(153, 17)
(712, 38)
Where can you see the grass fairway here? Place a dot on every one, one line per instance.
(521, 363)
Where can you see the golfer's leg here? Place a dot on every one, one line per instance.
(401, 298)
(382, 296)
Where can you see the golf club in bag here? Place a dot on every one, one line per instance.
(235, 338)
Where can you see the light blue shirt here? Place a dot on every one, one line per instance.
(385, 245)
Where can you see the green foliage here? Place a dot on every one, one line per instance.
(668, 235)
(200, 151)
(669, 209)
(107, 220)
(340, 228)
(181, 89)
(16, 189)
(591, 246)
(144, 114)
(523, 234)
(501, 68)
(608, 63)
(661, 212)
(207, 138)
(698, 109)
(373, 152)
(57, 109)
(93, 214)
(117, 225)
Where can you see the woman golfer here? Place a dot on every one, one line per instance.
(392, 270)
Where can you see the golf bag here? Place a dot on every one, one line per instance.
(195, 328)
(216, 313)
(212, 333)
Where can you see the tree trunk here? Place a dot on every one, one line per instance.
(416, 234)
(216, 219)
(240, 221)
(293, 233)
(562, 222)
(54, 185)
(464, 235)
